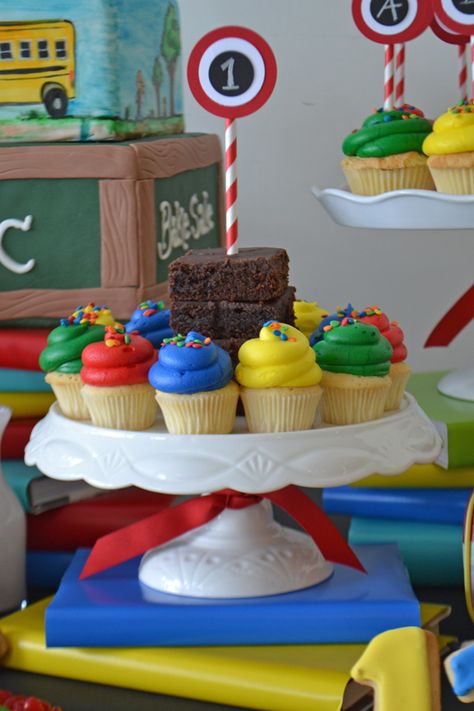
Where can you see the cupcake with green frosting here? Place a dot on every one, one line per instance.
(386, 152)
(355, 360)
(61, 359)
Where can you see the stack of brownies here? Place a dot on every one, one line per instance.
(229, 298)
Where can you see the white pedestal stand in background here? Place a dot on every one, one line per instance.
(407, 210)
(242, 552)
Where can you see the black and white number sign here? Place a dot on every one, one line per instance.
(390, 21)
(232, 72)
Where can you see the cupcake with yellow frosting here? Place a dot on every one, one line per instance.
(355, 359)
(451, 150)
(279, 380)
(386, 152)
(308, 316)
(62, 357)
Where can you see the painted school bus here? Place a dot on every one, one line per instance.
(37, 64)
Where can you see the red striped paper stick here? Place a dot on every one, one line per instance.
(399, 74)
(462, 72)
(231, 221)
(388, 78)
(472, 65)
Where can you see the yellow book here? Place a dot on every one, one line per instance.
(27, 404)
(276, 678)
(419, 476)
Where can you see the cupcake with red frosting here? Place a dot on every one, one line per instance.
(399, 369)
(115, 377)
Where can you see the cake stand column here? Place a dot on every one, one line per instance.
(240, 553)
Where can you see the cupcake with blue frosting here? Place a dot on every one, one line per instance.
(194, 387)
(151, 320)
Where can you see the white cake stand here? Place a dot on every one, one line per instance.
(407, 210)
(242, 552)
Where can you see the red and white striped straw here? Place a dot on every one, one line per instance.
(231, 222)
(399, 74)
(472, 66)
(389, 67)
(462, 72)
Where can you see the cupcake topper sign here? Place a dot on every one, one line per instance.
(231, 73)
(392, 23)
(458, 17)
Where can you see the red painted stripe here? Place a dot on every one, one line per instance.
(453, 322)
(231, 154)
(231, 195)
(232, 234)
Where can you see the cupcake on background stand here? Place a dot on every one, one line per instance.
(115, 381)
(450, 150)
(194, 386)
(399, 369)
(279, 380)
(355, 359)
(151, 320)
(386, 152)
(61, 359)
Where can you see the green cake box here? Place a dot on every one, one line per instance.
(75, 70)
(100, 222)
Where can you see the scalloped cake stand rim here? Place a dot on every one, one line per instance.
(251, 463)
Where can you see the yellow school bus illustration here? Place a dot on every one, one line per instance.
(37, 64)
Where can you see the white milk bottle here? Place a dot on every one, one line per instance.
(12, 540)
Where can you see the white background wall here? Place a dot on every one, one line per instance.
(329, 78)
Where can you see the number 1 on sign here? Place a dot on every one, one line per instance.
(229, 66)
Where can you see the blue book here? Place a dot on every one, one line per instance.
(23, 381)
(44, 569)
(431, 552)
(430, 505)
(112, 609)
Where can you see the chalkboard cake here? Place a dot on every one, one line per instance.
(98, 192)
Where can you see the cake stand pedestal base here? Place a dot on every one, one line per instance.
(458, 384)
(240, 553)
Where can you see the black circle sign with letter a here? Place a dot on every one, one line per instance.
(390, 21)
(389, 12)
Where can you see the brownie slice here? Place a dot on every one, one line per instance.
(231, 319)
(231, 345)
(254, 274)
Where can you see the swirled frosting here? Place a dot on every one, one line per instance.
(280, 357)
(453, 131)
(152, 321)
(119, 359)
(389, 329)
(308, 316)
(191, 364)
(354, 348)
(338, 315)
(385, 133)
(66, 342)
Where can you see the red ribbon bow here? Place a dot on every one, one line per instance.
(136, 539)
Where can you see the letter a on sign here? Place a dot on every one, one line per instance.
(391, 21)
